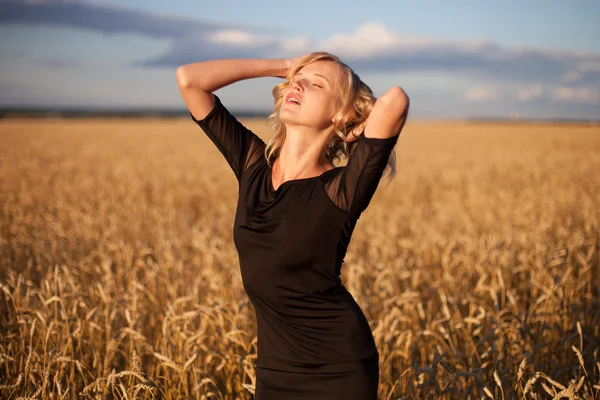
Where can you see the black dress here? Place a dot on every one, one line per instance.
(314, 341)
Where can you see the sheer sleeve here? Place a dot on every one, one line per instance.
(353, 187)
(239, 145)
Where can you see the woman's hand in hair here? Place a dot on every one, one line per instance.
(353, 133)
(286, 66)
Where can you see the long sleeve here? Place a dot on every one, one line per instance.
(352, 188)
(239, 145)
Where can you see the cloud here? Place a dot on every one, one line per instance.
(219, 44)
(372, 47)
(99, 17)
(497, 72)
(373, 39)
(191, 40)
(578, 94)
(530, 92)
(481, 93)
(510, 93)
(235, 37)
(586, 72)
(295, 45)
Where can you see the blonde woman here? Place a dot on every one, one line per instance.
(296, 212)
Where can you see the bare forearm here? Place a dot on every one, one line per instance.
(215, 74)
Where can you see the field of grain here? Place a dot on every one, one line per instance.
(478, 267)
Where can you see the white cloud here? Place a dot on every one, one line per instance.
(481, 72)
(367, 40)
(509, 93)
(529, 93)
(374, 38)
(295, 46)
(482, 93)
(580, 95)
(232, 36)
(577, 73)
(239, 38)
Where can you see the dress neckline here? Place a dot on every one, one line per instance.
(292, 181)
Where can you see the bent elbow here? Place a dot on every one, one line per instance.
(182, 79)
(398, 96)
(397, 99)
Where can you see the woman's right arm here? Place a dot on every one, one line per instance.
(197, 81)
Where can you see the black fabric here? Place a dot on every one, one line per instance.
(291, 243)
(360, 381)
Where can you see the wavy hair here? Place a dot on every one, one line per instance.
(356, 103)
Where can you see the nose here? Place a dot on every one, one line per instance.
(294, 86)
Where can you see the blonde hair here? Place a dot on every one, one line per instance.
(356, 103)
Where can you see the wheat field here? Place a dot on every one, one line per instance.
(478, 267)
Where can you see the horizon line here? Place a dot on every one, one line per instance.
(74, 112)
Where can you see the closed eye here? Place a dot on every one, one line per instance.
(319, 86)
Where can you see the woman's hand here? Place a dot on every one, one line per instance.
(197, 81)
(286, 65)
(353, 134)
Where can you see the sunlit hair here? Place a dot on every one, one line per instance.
(356, 103)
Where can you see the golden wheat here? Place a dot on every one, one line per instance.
(478, 267)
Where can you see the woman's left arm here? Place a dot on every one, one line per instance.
(388, 115)
(360, 178)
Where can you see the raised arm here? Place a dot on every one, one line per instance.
(354, 187)
(197, 81)
(388, 115)
(240, 146)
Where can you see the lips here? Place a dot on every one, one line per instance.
(292, 95)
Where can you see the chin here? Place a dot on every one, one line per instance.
(289, 118)
(294, 117)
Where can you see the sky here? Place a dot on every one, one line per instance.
(536, 59)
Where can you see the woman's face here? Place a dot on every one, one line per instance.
(312, 96)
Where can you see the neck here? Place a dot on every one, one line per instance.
(302, 154)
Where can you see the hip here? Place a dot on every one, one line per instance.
(351, 380)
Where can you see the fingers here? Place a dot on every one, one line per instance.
(351, 137)
(291, 62)
(353, 134)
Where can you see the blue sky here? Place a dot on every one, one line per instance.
(466, 58)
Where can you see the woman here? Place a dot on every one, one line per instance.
(296, 212)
